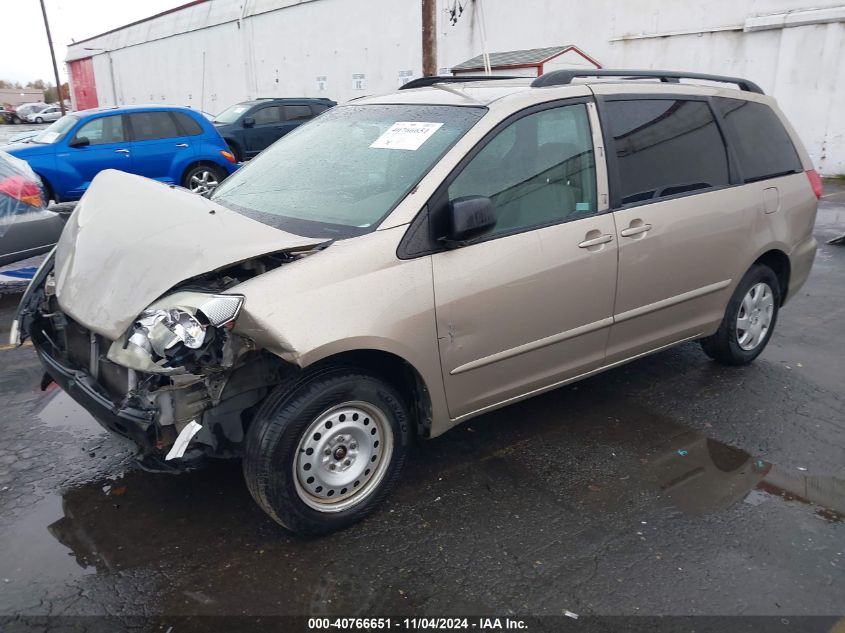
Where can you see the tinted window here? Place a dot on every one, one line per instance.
(665, 147)
(188, 125)
(762, 146)
(147, 126)
(318, 107)
(297, 112)
(107, 129)
(267, 115)
(538, 170)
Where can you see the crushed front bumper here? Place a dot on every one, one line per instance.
(130, 422)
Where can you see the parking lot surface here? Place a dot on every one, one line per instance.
(669, 486)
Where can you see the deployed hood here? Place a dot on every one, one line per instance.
(131, 239)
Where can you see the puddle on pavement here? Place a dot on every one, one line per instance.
(211, 544)
(31, 556)
(62, 411)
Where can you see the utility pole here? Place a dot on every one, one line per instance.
(53, 57)
(429, 37)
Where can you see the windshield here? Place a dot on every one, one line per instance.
(57, 131)
(232, 113)
(342, 173)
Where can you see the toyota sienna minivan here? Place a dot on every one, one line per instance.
(406, 262)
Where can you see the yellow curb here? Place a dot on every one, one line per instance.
(5, 347)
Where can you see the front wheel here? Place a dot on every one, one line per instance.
(324, 454)
(38, 119)
(203, 179)
(749, 319)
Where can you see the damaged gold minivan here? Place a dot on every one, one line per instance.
(406, 262)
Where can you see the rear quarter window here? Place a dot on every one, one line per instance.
(762, 145)
(188, 125)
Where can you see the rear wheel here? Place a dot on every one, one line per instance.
(749, 319)
(324, 454)
(203, 179)
(38, 119)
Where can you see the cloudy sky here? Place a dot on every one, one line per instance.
(24, 54)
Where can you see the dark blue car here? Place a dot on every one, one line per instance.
(165, 143)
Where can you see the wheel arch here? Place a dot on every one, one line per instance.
(393, 369)
(778, 262)
(198, 163)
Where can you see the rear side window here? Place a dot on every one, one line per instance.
(297, 112)
(148, 126)
(188, 125)
(762, 145)
(316, 108)
(270, 114)
(665, 147)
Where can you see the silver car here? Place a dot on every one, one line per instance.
(406, 262)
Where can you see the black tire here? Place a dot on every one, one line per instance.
(38, 119)
(196, 170)
(724, 346)
(273, 446)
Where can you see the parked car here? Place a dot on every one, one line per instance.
(407, 262)
(47, 115)
(9, 117)
(27, 228)
(25, 109)
(252, 126)
(170, 144)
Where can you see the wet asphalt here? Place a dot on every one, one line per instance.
(670, 486)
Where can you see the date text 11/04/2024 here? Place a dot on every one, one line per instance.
(432, 624)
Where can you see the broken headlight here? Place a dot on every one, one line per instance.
(159, 330)
(161, 336)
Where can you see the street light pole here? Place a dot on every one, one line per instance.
(53, 57)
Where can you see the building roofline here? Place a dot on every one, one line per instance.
(141, 21)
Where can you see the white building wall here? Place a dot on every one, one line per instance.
(281, 47)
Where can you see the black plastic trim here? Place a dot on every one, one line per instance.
(565, 77)
(422, 82)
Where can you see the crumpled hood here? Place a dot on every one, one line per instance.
(132, 239)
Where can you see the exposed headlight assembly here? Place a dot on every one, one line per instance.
(158, 331)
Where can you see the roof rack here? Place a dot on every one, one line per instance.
(564, 77)
(422, 82)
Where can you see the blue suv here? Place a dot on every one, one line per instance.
(165, 143)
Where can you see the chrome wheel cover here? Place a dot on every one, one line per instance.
(343, 456)
(755, 316)
(203, 182)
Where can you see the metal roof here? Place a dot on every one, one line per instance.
(527, 56)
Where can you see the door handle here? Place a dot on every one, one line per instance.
(121, 151)
(635, 230)
(596, 241)
(181, 145)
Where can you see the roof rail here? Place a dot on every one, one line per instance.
(422, 82)
(564, 77)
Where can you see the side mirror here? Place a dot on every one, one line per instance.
(248, 121)
(80, 141)
(470, 217)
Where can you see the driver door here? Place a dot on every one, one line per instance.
(530, 304)
(107, 148)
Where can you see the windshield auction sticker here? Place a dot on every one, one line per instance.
(408, 135)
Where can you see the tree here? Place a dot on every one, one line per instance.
(38, 84)
(5, 84)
